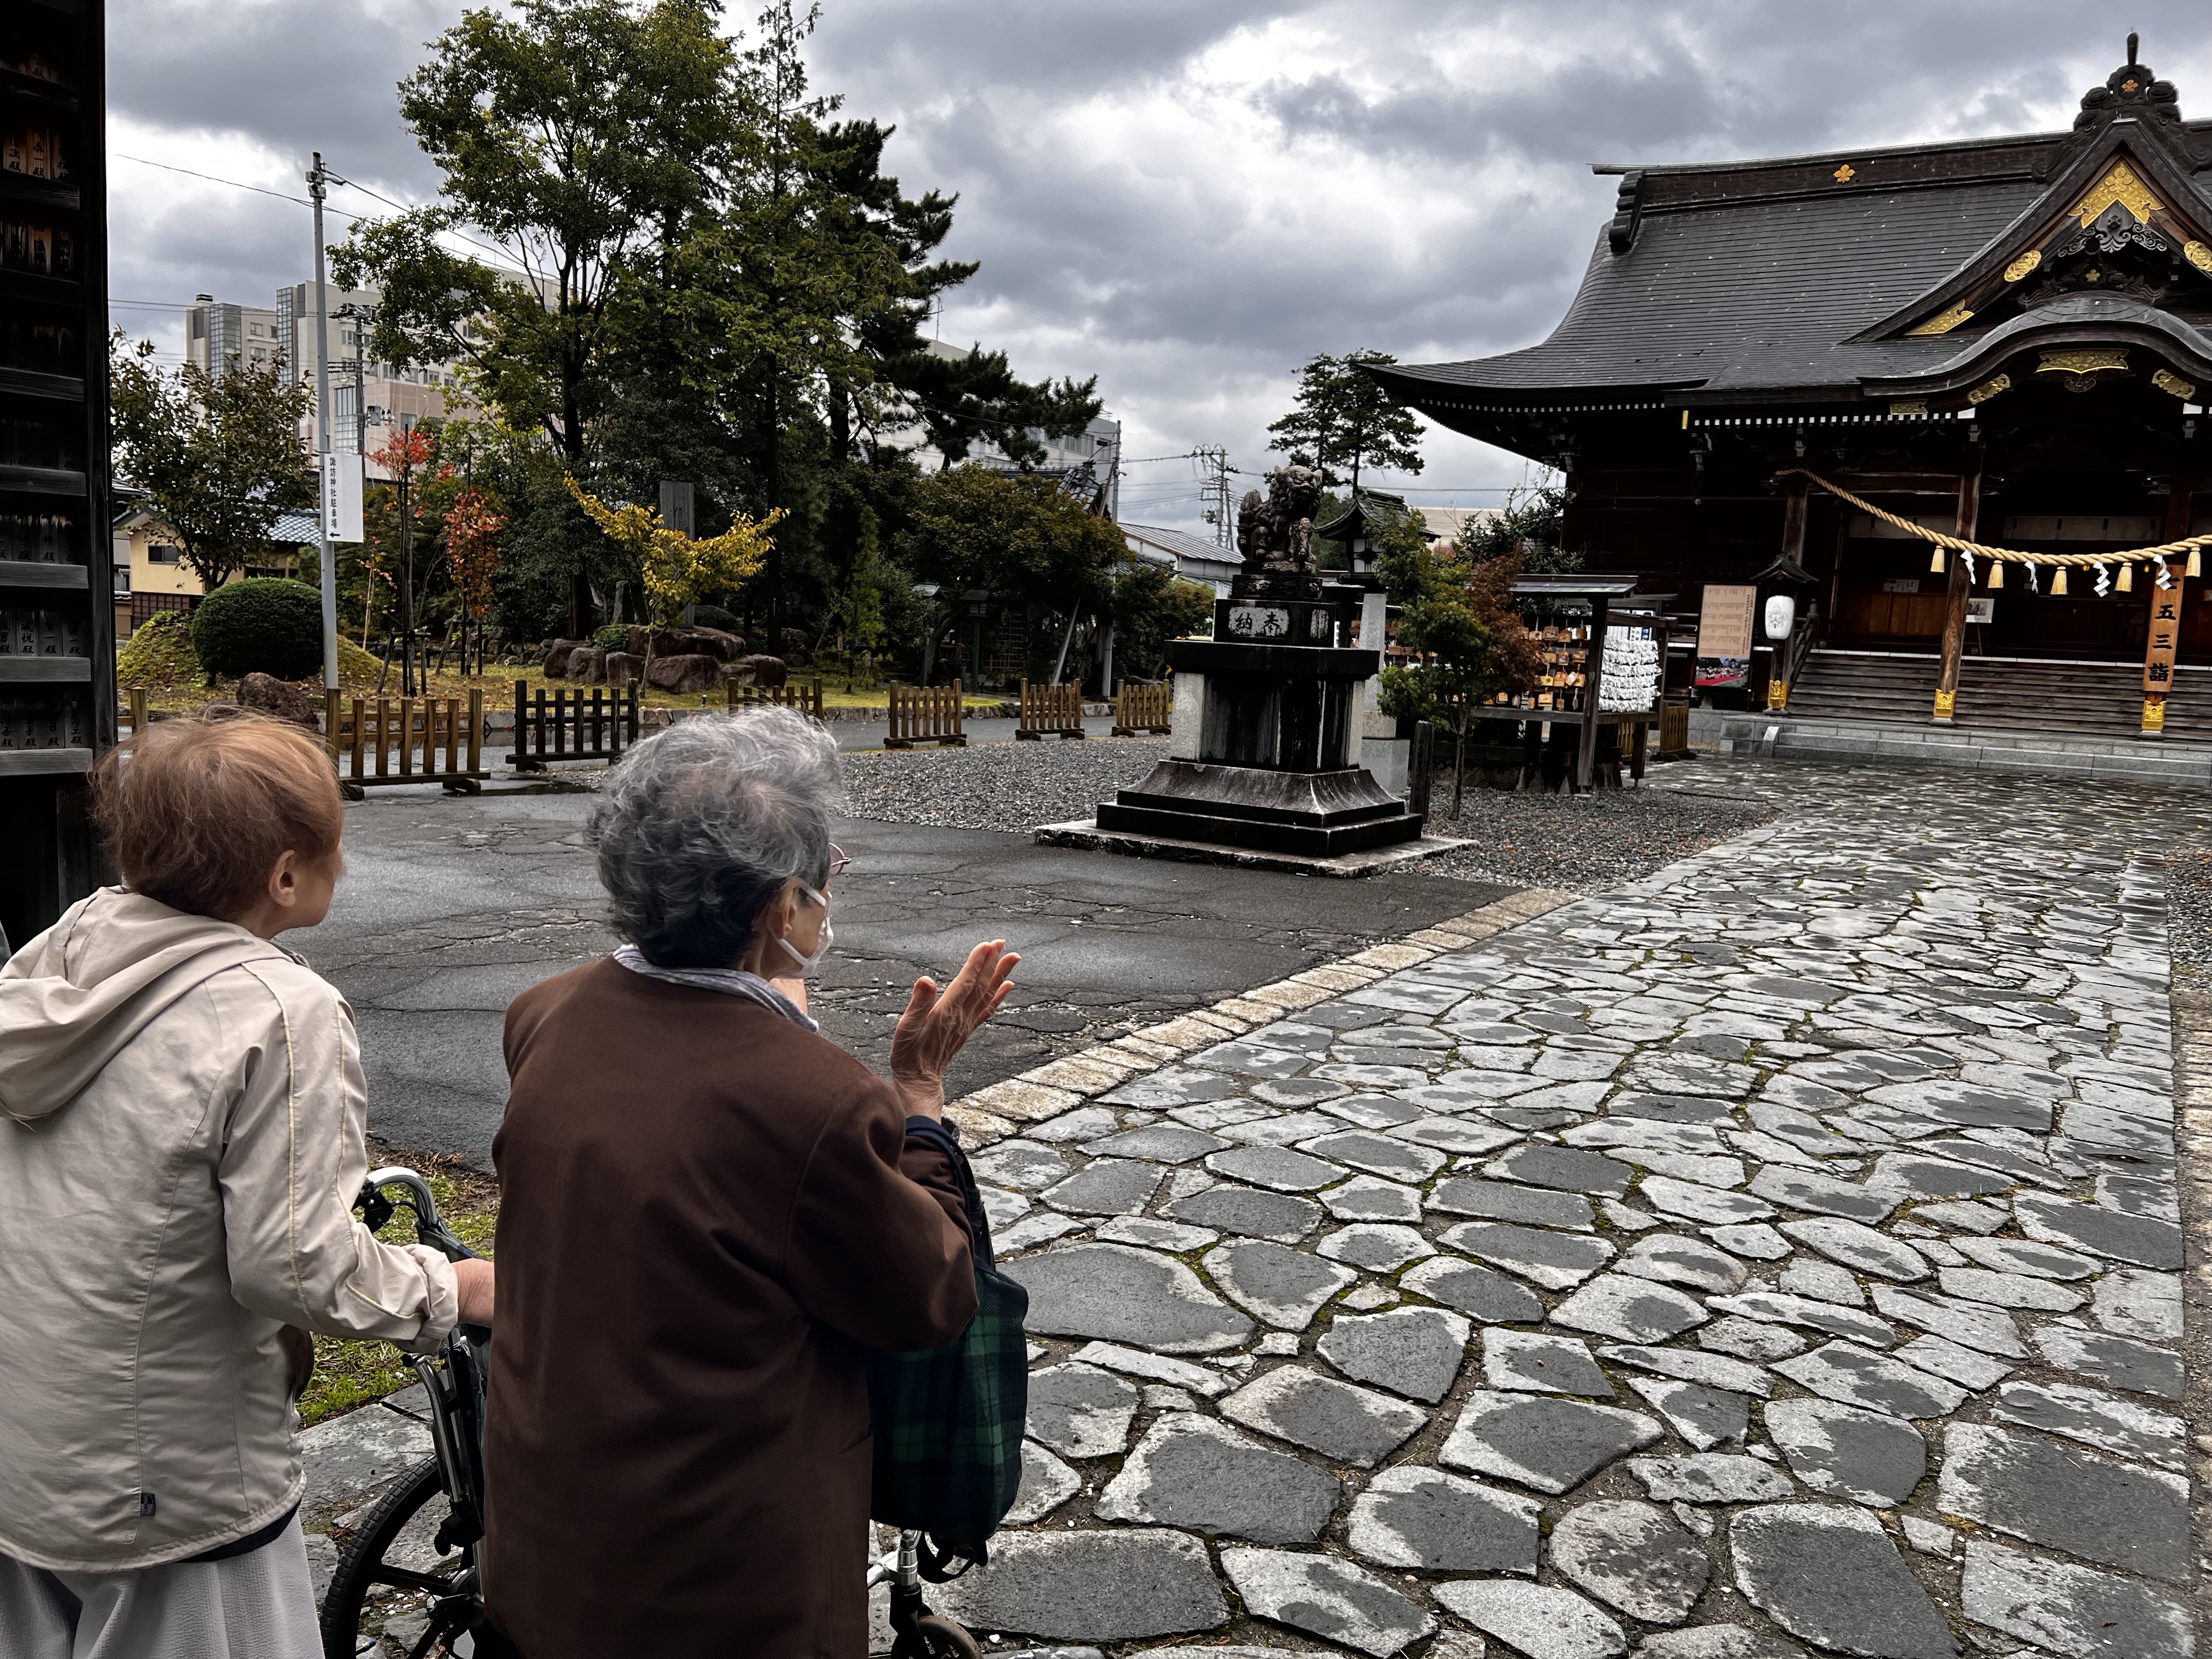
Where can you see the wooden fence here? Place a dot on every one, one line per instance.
(1051, 711)
(1139, 708)
(571, 725)
(926, 714)
(806, 698)
(373, 740)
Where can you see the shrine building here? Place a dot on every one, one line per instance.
(2008, 340)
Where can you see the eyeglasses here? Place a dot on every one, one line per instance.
(838, 862)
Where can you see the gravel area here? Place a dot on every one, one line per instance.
(1011, 787)
(1586, 844)
(2189, 914)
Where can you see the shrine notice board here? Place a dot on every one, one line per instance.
(1724, 624)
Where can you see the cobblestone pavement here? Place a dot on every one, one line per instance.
(1777, 1254)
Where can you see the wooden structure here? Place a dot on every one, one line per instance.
(2005, 339)
(926, 714)
(57, 574)
(1141, 708)
(1571, 615)
(804, 696)
(134, 714)
(375, 740)
(572, 725)
(1051, 711)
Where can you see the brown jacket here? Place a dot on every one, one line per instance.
(704, 1219)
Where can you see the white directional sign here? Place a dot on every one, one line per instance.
(342, 497)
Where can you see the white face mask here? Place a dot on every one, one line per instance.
(808, 963)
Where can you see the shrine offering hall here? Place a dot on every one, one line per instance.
(1780, 374)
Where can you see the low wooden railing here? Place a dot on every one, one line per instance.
(806, 697)
(373, 740)
(1140, 707)
(1051, 711)
(571, 725)
(133, 714)
(926, 714)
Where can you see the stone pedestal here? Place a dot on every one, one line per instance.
(1264, 755)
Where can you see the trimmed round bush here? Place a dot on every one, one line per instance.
(264, 624)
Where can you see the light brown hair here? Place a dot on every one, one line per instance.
(197, 812)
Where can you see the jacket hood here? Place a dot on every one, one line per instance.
(76, 996)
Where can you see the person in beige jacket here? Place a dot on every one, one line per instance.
(185, 1144)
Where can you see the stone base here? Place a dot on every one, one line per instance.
(1085, 833)
(1312, 814)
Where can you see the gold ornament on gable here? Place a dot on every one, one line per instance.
(2199, 255)
(2082, 360)
(1944, 323)
(1990, 388)
(2121, 184)
(2166, 380)
(2019, 267)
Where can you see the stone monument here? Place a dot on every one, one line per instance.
(1264, 753)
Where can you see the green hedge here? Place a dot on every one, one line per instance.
(264, 624)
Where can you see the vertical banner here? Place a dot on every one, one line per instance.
(2158, 651)
(342, 497)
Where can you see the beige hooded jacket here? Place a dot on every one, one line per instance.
(176, 1182)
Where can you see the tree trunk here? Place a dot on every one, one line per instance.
(774, 501)
(407, 688)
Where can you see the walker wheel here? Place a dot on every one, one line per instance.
(940, 1638)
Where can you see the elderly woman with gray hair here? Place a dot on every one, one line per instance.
(710, 1211)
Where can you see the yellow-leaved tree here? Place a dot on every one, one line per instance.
(679, 569)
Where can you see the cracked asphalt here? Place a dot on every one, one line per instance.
(452, 906)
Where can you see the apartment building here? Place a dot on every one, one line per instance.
(368, 400)
(218, 335)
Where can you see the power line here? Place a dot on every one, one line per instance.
(191, 173)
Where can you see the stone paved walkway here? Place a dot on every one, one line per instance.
(1777, 1254)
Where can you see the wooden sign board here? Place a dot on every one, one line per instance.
(2165, 633)
(1724, 624)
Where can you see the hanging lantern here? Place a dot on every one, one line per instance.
(1935, 564)
(2127, 582)
(2058, 579)
(2195, 563)
(1996, 572)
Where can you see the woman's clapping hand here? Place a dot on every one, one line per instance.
(937, 1024)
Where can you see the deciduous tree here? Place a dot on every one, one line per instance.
(678, 569)
(219, 455)
(578, 139)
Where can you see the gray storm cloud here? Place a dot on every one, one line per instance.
(1187, 200)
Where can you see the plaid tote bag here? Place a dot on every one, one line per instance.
(948, 1421)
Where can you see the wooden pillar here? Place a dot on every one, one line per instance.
(1793, 550)
(1593, 676)
(1954, 619)
(2161, 639)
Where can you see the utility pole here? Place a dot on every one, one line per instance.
(1215, 492)
(317, 178)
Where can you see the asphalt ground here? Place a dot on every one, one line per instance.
(452, 906)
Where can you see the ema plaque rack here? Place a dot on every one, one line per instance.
(58, 658)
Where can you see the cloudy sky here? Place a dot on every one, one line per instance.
(1185, 198)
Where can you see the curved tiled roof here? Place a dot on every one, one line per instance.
(1753, 295)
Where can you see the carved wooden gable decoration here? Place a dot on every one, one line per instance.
(2121, 216)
